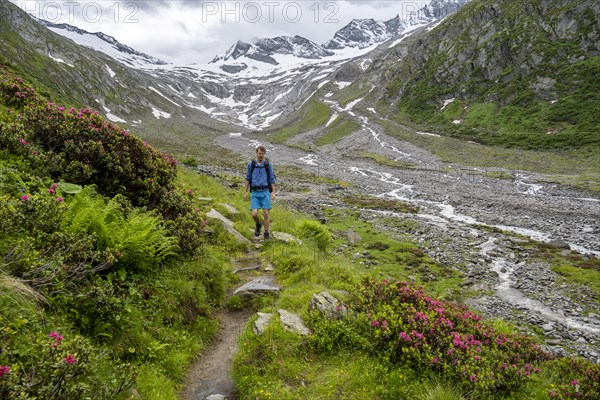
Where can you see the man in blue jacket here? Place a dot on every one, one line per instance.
(260, 180)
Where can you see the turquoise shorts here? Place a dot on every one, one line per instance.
(260, 199)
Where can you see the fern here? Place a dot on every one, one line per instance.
(138, 240)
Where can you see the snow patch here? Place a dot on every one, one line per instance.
(110, 71)
(427, 134)
(162, 95)
(333, 117)
(158, 114)
(342, 85)
(446, 102)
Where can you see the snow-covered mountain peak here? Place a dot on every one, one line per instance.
(104, 43)
(266, 50)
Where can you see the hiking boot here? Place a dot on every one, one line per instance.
(257, 230)
(267, 236)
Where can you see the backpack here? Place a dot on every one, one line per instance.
(267, 168)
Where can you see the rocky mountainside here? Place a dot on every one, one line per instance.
(366, 32)
(264, 49)
(503, 72)
(104, 43)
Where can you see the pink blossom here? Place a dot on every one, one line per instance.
(574, 382)
(375, 324)
(473, 378)
(4, 369)
(53, 186)
(51, 191)
(60, 199)
(404, 336)
(70, 359)
(25, 197)
(125, 133)
(23, 142)
(435, 360)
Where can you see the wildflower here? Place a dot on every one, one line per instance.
(435, 360)
(70, 359)
(25, 197)
(125, 133)
(23, 142)
(53, 186)
(60, 199)
(4, 369)
(574, 382)
(57, 338)
(375, 324)
(190, 192)
(51, 191)
(473, 378)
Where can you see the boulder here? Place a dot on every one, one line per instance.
(260, 325)
(559, 244)
(258, 287)
(228, 224)
(327, 305)
(293, 323)
(286, 237)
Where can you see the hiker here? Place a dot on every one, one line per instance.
(260, 180)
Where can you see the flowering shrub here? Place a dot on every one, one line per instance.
(406, 327)
(579, 379)
(52, 366)
(79, 146)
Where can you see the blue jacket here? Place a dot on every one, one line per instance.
(259, 175)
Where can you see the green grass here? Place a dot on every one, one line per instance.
(339, 129)
(311, 116)
(351, 93)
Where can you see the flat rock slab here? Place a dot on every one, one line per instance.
(293, 323)
(258, 287)
(286, 237)
(214, 214)
(260, 325)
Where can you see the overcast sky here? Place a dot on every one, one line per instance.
(195, 31)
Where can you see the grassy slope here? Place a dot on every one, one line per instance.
(311, 116)
(507, 112)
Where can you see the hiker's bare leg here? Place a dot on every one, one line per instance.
(267, 219)
(255, 216)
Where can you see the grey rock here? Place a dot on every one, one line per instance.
(228, 224)
(353, 237)
(269, 268)
(327, 304)
(261, 324)
(258, 287)
(216, 397)
(293, 323)
(230, 209)
(286, 237)
(559, 244)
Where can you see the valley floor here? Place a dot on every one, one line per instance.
(505, 231)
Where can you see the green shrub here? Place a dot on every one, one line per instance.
(315, 231)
